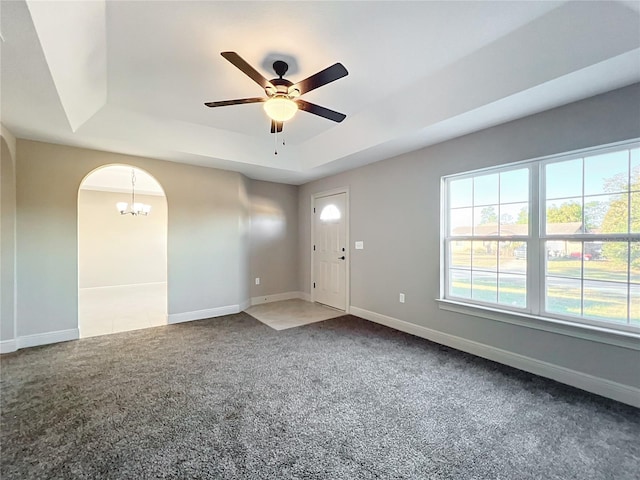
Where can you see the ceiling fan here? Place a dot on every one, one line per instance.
(282, 102)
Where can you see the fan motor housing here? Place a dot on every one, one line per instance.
(280, 68)
(281, 87)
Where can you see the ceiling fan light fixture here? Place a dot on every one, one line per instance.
(280, 108)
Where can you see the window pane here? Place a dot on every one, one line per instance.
(484, 286)
(460, 254)
(513, 257)
(566, 260)
(512, 290)
(605, 301)
(520, 252)
(514, 186)
(593, 250)
(460, 221)
(563, 296)
(460, 193)
(634, 262)
(616, 216)
(564, 179)
(485, 256)
(574, 250)
(607, 173)
(634, 305)
(485, 189)
(460, 283)
(564, 217)
(330, 213)
(635, 169)
(635, 213)
(610, 264)
(556, 249)
(514, 219)
(595, 210)
(485, 220)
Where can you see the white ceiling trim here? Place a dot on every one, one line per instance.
(497, 71)
(535, 100)
(74, 41)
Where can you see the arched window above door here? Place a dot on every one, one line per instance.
(329, 213)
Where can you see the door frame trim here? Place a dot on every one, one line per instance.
(347, 279)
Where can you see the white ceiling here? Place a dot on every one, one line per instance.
(132, 76)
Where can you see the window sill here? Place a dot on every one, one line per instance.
(587, 332)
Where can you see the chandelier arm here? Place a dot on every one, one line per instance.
(133, 209)
(133, 189)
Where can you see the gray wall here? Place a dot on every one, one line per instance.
(244, 228)
(273, 252)
(224, 230)
(395, 210)
(206, 234)
(7, 242)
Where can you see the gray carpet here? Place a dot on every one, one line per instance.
(231, 398)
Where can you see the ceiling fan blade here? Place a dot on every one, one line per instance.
(328, 75)
(247, 69)
(240, 101)
(321, 111)
(276, 126)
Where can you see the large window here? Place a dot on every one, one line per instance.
(555, 238)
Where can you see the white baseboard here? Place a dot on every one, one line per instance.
(38, 339)
(245, 304)
(277, 297)
(600, 386)
(8, 346)
(126, 285)
(202, 314)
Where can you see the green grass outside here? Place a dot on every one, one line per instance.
(593, 270)
(562, 267)
(564, 301)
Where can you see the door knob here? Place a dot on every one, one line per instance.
(341, 258)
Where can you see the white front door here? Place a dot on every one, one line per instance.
(330, 251)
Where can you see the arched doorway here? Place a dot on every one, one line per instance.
(122, 257)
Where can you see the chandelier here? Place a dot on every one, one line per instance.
(136, 208)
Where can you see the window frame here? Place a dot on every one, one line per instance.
(536, 262)
(482, 238)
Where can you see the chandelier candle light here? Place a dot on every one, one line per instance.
(137, 208)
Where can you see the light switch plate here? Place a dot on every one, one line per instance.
(360, 245)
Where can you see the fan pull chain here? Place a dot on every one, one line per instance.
(275, 138)
(275, 152)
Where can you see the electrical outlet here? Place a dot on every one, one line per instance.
(257, 280)
(401, 299)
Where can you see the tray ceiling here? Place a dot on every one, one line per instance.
(131, 77)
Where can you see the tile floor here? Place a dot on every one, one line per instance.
(291, 313)
(105, 310)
